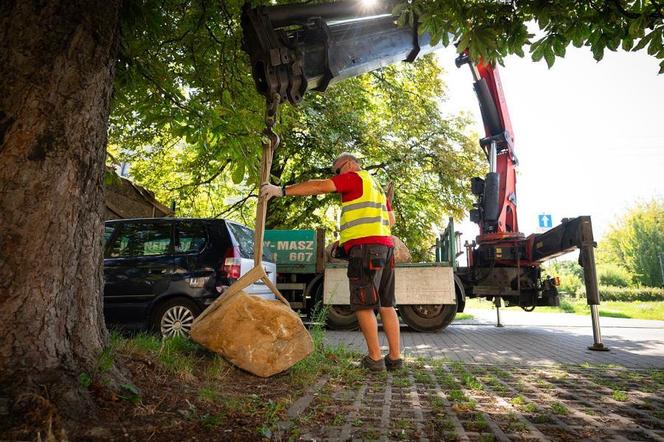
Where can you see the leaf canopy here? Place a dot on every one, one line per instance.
(188, 120)
(492, 29)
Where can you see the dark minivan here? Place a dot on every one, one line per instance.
(162, 272)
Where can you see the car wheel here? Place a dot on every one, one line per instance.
(175, 317)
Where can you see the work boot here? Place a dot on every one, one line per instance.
(372, 365)
(393, 365)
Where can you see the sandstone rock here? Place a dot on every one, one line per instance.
(401, 252)
(260, 336)
(328, 253)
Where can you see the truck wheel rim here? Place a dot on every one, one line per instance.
(428, 310)
(177, 321)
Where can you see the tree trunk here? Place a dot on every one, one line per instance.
(56, 77)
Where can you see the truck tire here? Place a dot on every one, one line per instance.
(426, 318)
(341, 317)
(338, 317)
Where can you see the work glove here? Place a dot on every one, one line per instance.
(270, 190)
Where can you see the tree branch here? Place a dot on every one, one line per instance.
(203, 182)
(623, 11)
(235, 206)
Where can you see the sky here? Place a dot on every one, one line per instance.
(589, 136)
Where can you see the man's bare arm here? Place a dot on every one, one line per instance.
(311, 187)
(390, 214)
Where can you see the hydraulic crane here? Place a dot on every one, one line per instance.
(301, 47)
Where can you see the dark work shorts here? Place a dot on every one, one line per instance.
(371, 276)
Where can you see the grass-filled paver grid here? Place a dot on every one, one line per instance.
(441, 400)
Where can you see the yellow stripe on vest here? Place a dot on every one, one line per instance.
(367, 215)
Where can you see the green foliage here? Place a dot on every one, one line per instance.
(184, 111)
(186, 117)
(570, 274)
(391, 119)
(571, 284)
(619, 395)
(566, 306)
(609, 274)
(646, 294)
(559, 408)
(491, 30)
(84, 380)
(635, 243)
(564, 268)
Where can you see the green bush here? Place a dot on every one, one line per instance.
(560, 268)
(571, 284)
(570, 274)
(628, 294)
(610, 274)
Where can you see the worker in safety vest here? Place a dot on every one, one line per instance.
(366, 218)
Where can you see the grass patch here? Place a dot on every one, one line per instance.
(559, 408)
(456, 396)
(179, 355)
(478, 423)
(337, 362)
(517, 427)
(402, 424)
(522, 404)
(463, 316)
(437, 403)
(610, 309)
(472, 383)
(212, 421)
(402, 382)
(566, 306)
(208, 394)
(479, 303)
(519, 400)
(445, 379)
(423, 378)
(542, 419)
(619, 395)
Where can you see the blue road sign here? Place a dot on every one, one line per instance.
(545, 221)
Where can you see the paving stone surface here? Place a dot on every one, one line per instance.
(529, 339)
(441, 400)
(533, 379)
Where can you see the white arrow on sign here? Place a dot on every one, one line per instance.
(545, 221)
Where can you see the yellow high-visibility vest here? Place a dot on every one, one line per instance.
(366, 215)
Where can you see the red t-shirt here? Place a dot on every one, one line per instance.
(349, 185)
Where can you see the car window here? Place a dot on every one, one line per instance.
(245, 239)
(108, 231)
(141, 239)
(191, 237)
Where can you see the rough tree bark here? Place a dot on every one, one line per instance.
(56, 77)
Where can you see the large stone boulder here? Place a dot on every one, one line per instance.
(330, 250)
(401, 252)
(263, 337)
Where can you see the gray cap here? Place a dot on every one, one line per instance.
(346, 156)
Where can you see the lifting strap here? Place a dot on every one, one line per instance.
(270, 143)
